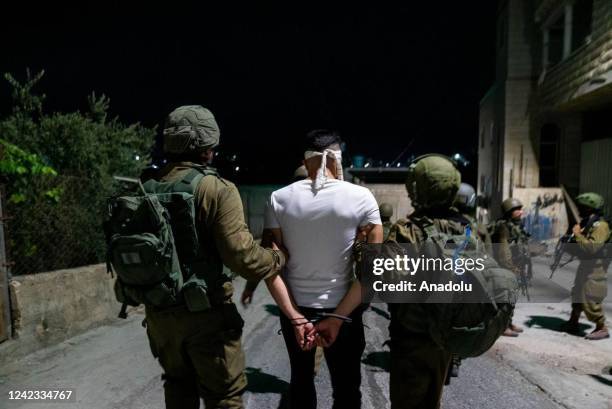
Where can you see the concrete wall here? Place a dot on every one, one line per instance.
(507, 157)
(254, 199)
(491, 126)
(520, 163)
(48, 308)
(395, 195)
(570, 125)
(520, 160)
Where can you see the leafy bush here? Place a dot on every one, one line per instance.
(58, 172)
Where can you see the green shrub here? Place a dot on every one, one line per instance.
(58, 170)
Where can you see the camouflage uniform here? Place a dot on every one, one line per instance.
(386, 212)
(511, 247)
(590, 285)
(418, 364)
(201, 352)
(511, 244)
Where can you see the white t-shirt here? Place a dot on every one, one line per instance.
(319, 231)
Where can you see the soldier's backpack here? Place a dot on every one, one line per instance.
(469, 324)
(153, 246)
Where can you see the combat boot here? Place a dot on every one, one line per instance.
(455, 364)
(571, 327)
(597, 334)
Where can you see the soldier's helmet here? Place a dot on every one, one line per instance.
(466, 198)
(190, 129)
(591, 200)
(433, 181)
(511, 204)
(300, 173)
(386, 210)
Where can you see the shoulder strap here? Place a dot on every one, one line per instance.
(192, 179)
(195, 175)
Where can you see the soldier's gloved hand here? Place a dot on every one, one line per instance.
(328, 330)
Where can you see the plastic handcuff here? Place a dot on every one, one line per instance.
(320, 317)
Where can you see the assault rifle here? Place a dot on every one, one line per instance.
(559, 251)
(562, 245)
(568, 237)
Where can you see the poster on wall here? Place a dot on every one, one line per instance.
(544, 212)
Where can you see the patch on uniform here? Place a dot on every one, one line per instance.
(596, 224)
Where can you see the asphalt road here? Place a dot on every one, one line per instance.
(111, 367)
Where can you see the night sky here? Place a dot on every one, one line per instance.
(380, 76)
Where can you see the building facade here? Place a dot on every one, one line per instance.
(547, 119)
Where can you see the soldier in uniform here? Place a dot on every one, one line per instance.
(418, 365)
(465, 203)
(201, 352)
(590, 287)
(511, 245)
(386, 212)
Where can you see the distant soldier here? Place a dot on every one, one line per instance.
(386, 212)
(465, 203)
(590, 286)
(510, 247)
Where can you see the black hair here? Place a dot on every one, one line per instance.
(319, 139)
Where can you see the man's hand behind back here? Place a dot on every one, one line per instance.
(327, 331)
(305, 335)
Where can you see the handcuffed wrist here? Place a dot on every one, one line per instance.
(299, 321)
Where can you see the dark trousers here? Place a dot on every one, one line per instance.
(343, 360)
(201, 355)
(417, 372)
